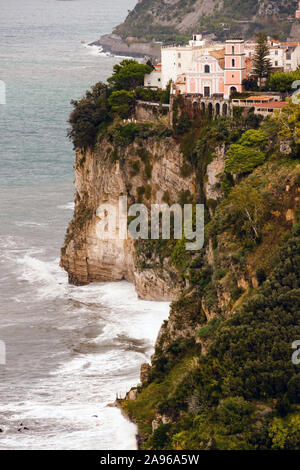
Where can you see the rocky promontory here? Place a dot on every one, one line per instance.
(131, 47)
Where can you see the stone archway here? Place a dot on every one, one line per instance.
(210, 110)
(217, 109)
(195, 108)
(202, 108)
(225, 109)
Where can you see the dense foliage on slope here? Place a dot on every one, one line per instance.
(245, 392)
(97, 109)
(222, 375)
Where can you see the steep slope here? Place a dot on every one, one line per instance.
(144, 165)
(222, 374)
(169, 20)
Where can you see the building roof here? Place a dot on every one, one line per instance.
(257, 97)
(219, 54)
(271, 105)
(290, 44)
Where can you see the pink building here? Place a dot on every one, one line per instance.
(207, 74)
(235, 66)
(297, 14)
(218, 72)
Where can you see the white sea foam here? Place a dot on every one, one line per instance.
(28, 223)
(95, 50)
(50, 280)
(68, 206)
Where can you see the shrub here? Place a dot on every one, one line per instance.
(242, 159)
(161, 437)
(135, 165)
(148, 170)
(128, 75)
(206, 331)
(233, 412)
(282, 81)
(247, 154)
(88, 115)
(148, 191)
(261, 276)
(122, 103)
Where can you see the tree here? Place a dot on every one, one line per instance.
(254, 345)
(122, 103)
(248, 153)
(128, 75)
(250, 84)
(287, 124)
(242, 159)
(248, 208)
(261, 61)
(88, 114)
(282, 81)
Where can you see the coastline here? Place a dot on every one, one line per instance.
(118, 404)
(115, 45)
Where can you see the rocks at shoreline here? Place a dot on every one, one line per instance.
(114, 44)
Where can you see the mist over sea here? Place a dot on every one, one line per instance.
(69, 349)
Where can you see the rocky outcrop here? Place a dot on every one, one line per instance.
(276, 7)
(166, 20)
(101, 178)
(131, 47)
(144, 373)
(214, 171)
(295, 31)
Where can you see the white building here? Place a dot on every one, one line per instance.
(176, 60)
(153, 79)
(285, 55)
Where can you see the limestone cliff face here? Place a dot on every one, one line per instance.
(148, 172)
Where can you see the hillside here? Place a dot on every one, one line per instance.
(169, 20)
(222, 375)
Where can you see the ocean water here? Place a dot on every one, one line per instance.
(69, 350)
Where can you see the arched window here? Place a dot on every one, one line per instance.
(232, 50)
(233, 63)
(206, 69)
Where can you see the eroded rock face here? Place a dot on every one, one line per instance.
(214, 171)
(99, 179)
(144, 374)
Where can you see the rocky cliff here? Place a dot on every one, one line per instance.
(221, 376)
(148, 171)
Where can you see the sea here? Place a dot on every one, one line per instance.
(69, 350)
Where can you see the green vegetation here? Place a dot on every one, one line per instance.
(89, 115)
(248, 153)
(261, 61)
(225, 400)
(93, 114)
(175, 22)
(122, 103)
(282, 81)
(128, 75)
(222, 375)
